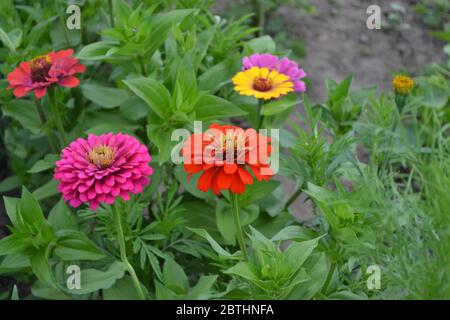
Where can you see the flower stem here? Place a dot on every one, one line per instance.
(292, 198)
(261, 18)
(123, 252)
(237, 224)
(111, 13)
(58, 120)
(43, 119)
(259, 116)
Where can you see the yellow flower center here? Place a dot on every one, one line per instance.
(402, 84)
(102, 156)
(233, 145)
(262, 84)
(40, 66)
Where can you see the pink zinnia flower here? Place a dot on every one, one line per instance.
(100, 168)
(284, 66)
(43, 71)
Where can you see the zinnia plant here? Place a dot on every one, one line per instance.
(100, 169)
(41, 73)
(158, 180)
(225, 156)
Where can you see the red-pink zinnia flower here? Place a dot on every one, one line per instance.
(100, 168)
(284, 66)
(43, 71)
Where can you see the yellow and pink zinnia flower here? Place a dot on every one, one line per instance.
(100, 168)
(265, 76)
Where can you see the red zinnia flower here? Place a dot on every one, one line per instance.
(43, 71)
(224, 154)
(100, 168)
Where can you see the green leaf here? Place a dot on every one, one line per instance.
(7, 41)
(152, 92)
(122, 10)
(262, 44)
(45, 291)
(15, 36)
(105, 97)
(25, 113)
(10, 183)
(191, 185)
(30, 209)
(297, 233)
(199, 214)
(47, 190)
(443, 35)
(340, 91)
(11, 205)
(225, 222)
(60, 217)
(297, 253)
(160, 28)
(257, 190)
(74, 245)
(211, 107)
(202, 289)
(123, 289)
(111, 127)
(162, 139)
(93, 280)
(244, 270)
(15, 294)
(38, 31)
(96, 51)
(174, 276)
(164, 293)
(279, 105)
(434, 96)
(219, 250)
(44, 164)
(41, 267)
(14, 262)
(12, 244)
(216, 77)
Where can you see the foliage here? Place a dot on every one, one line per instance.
(376, 175)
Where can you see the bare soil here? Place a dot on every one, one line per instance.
(338, 43)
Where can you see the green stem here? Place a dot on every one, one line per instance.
(259, 116)
(111, 12)
(58, 120)
(292, 198)
(329, 277)
(43, 119)
(237, 224)
(261, 18)
(123, 252)
(387, 153)
(143, 68)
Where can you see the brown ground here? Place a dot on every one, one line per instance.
(338, 43)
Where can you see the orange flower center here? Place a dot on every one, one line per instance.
(262, 84)
(40, 66)
(102, 156)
